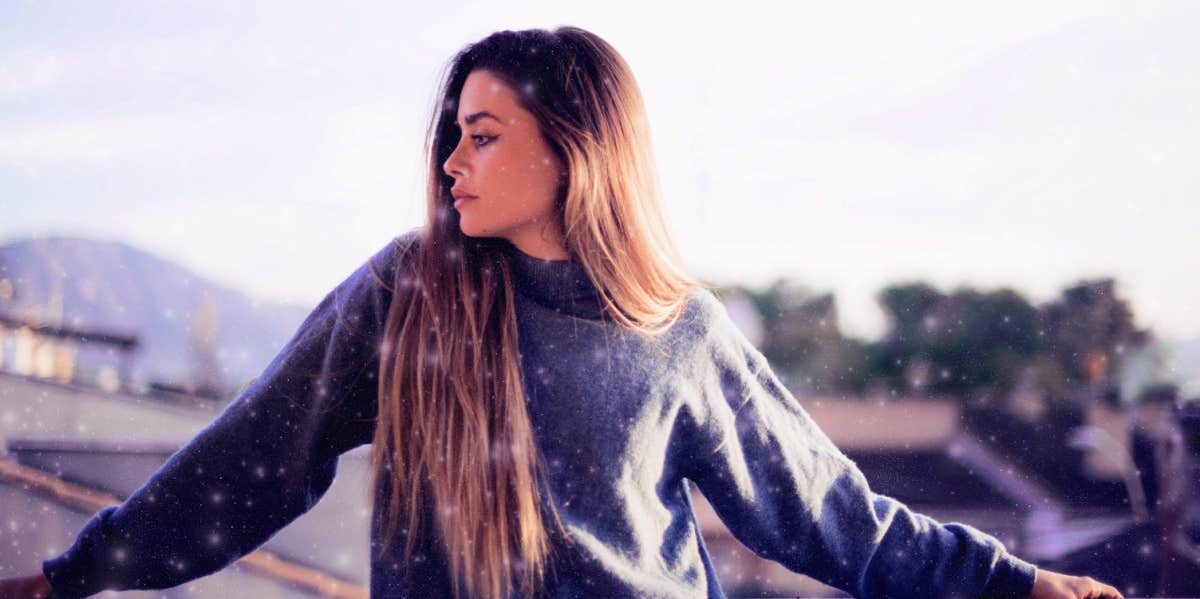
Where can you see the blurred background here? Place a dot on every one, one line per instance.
(963, 235)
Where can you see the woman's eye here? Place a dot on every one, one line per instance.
(488, 139)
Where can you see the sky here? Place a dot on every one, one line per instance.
(273, 146)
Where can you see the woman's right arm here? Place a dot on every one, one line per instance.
(266, 459)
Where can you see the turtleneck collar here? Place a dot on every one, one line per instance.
(561, 285)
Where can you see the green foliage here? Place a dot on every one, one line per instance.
(966, 343)
(954, 343)
(803, 340)
(1088, 330)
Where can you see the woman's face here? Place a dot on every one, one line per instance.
(503, 160)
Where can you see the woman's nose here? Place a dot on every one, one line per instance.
(453, 165)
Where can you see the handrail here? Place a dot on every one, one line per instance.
(260, 561)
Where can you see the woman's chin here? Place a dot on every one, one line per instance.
(471, 230)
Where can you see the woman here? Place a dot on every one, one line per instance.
(540, 380)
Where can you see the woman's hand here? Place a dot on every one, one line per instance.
(1052, 585)
(29, 587)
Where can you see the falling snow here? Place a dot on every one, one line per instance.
(620, 422)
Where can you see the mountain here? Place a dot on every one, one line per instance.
(190, 330)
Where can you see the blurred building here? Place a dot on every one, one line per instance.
(64, 354)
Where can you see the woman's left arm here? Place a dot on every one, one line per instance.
(786, 492)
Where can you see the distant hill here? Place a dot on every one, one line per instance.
(114, 287)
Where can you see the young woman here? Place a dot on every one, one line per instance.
(541, 381)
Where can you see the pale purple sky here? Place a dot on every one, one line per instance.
(272, 148)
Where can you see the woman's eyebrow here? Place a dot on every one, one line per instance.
(471, 118)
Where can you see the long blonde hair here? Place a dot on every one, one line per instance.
(451, 402)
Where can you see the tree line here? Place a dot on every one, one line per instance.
(977, 345)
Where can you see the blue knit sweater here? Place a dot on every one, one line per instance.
(623, 422)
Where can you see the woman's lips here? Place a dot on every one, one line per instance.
(459, 201)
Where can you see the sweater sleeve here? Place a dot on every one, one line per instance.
(787, 493)
(267, 458)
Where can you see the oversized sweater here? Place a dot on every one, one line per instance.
(624, 424)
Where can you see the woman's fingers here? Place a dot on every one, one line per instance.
(1105, 591)
(1053, 585)
(1090, 588)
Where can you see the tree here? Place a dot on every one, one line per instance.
(1089, 330)
(966, 341)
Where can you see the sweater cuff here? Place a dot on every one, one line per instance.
(1012, 578)
(74, 574)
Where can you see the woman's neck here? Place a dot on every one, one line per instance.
(543, 244)
(561, 285)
